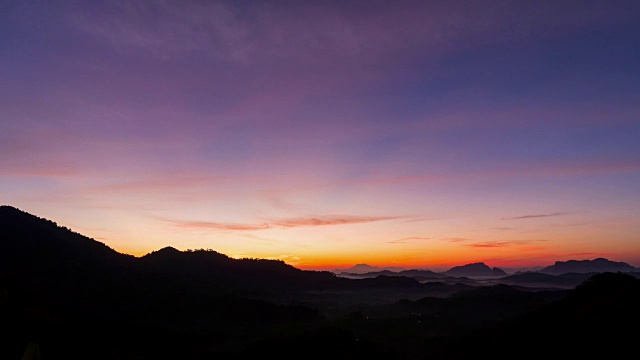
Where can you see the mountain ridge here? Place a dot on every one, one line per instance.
(72, 296)
(586, 266)
(10, 217)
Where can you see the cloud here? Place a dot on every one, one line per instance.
(218, 226)
(456, 239)
(491, 244)
(282, 223)
(330, 220)
(532, 216)
(262, 30)
(497, 244)
(408, 239)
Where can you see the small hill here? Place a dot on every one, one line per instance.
(422, 274)
(587, 266)
(413, 273)
(474, 269)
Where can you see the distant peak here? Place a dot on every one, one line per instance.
(168, 249)
(585, 266)
(165, 251)
(475, 269)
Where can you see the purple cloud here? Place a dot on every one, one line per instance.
(533, 216)
(282, 223)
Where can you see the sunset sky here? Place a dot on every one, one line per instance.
(417, 134)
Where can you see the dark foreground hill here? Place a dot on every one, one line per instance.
(598, 319)
(66, 296)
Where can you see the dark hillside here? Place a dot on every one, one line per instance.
(29, 242)
(596, 319)
(55, 260)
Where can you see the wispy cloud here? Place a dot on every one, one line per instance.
(218, 226)
(245, 32)
(330, 220)
(499, 244)
(491, 244)
(456, 239)
(408, 239)
(532, 216)
(281, 223)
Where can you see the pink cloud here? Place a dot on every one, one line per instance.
(218, 226)
(491, 244)
(532, 216)
(499, 244)
(331, 220)
(456, 239)
(282, 223)
(409, 239)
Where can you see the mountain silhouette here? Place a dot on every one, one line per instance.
(360, 269)
(28, 238)
(37, 247)
(66, 296)
(587, 266)
(474, 269)
(72, 296)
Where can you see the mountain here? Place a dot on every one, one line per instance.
(39, 249)
(422, 274)
(53, 257)
(474, 270)
(209, 269)
(73, 296)
(587, 266)
(69, 295)
(359, 269)
(29, 241)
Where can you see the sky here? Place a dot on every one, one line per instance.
(412, 134)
